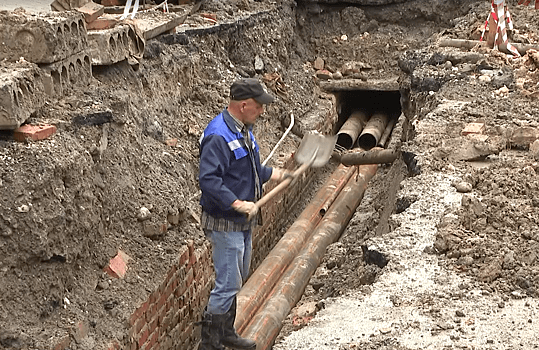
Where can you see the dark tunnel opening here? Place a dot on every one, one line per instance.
(364, 116)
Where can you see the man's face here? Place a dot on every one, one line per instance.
(250, 110)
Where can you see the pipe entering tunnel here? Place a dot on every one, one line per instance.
(366, 117)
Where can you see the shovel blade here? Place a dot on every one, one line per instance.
(315, 149)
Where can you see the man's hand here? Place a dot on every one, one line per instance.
(280, 174)
(245, 207)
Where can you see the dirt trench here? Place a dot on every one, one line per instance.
(70, 202)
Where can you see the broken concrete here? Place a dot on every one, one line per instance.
(113, 45)
(41, 38)
(22, 91)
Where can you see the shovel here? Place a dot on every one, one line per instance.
(314, 151)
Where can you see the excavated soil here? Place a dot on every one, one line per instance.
(70, 202)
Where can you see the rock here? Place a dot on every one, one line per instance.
(474, 204)
(318, 63)
(465, 260)
(259, 64)
(144, 214)
(307, 309)
(102, 285)
(463, 187)
(491, 271)
(534, 149)
(367, 275)
(522, 137)
(509, 260)
(374, 257)
(323, 74)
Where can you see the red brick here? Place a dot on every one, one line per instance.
(139, 312)
(143, 336)
(117, 266)
(152, 312)
(91, 11)
(33, 132)
(184, 255)
(190, 277)
(101, 23)
(152, 339)
(140, 323)
(180, 290)
(186, 333)
(170, 274)
(161, 302)
(167, 320)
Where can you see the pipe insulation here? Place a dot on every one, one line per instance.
(265, 326)
(349, 132)
(372, 131)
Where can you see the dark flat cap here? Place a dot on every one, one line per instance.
(244, 89)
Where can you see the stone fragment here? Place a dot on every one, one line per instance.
(463, 187)
(523, 136)
(323, 74)
(259, 64)
(318, 63)
(473, 128)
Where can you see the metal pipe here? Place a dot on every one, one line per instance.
(281, 140)
(349, 132)
(373, 131)
(267, 323)
(342, 182)
(387, 132)
(373, 156)
(260, 283)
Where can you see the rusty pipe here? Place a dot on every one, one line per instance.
(338, 188)
(387, 132)
(375, 155)
(372, 131)
(266, 275)
(266, 324)
(349, 132)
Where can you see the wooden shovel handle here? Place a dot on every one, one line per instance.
(281, 186)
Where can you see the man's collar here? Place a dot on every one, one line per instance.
(234, 123)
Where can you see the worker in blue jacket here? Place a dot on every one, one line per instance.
(231, 179)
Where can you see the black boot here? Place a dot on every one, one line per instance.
(230, 338)
(211, 333)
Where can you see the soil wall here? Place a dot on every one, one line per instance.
(117, 184)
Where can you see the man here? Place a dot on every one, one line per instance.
(231, 179)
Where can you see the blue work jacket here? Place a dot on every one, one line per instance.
(226, 170)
